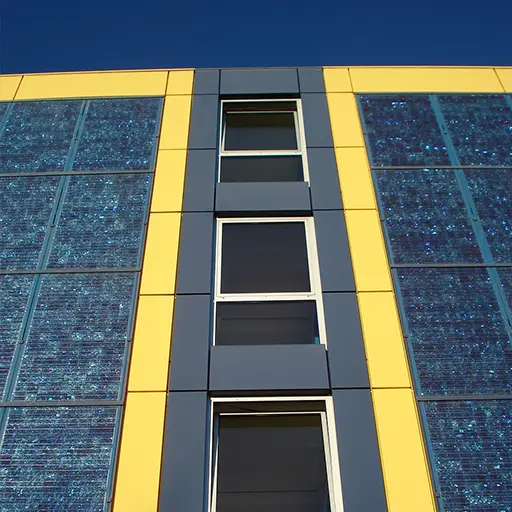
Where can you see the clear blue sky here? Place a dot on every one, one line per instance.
(83, 35)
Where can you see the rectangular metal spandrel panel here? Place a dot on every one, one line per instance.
(291, 368)
(200, 178)
(182, 484)
(204, 122)
(317, 123)
(265, 169)
(360, 465)
(323, 179)
(311, 80)
(206, 81)
(259, 81)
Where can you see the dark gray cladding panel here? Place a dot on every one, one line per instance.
(346, 355)
(323, 176)
(204, 122)
(190, 343)
(361, 470)
(336, 272)
(311, 80)
(317, 123)
(268, 368)
(206, 81)
(195, 254)
(246, 198)
(200, 180)
(259, 81)
(183, 470)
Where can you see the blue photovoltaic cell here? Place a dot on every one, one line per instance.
(505, 276)
(426, 219)
(119, 134)
(472, 450)
(14, 293)
(457, 334)
(402, 130)
(56, 459)
(480, 128)
(25, 208)
(38, 136)
(102, 221)
(77, 338)
(3, 109)
(492, 194)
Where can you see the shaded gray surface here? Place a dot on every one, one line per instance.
(204, 122)
(195, 254)
(206, 81)
(278, 197)
(323, 176)
(190, 343)
(311, 80)
(317, 123)
(259, 81)
(361, 473)
(200, 178)
(272, 367)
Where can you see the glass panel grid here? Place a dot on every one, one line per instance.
(471, 443)
(118, 134)
(38, 136)
(56, 458)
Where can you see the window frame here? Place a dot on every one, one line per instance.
(299, 132)
(315, 292)
(325, 410)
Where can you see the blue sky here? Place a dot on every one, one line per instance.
(66, 36)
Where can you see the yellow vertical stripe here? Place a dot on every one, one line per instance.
(406, 475)
(138, 478)
(8, 87)
(138, 474)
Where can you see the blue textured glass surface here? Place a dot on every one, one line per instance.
(426, 218)
(472, 450)
(492, 194)
(505, 276)
(480, 127)
(457, 334)
(3, 110)
(77, 338)
(119, 134)
(38, 136)
(102, 221)
(25, 208)
(56, 459)
(402, 130)
(14, 294)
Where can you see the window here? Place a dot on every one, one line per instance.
(267, 284)
(276, 456)
(262, 141)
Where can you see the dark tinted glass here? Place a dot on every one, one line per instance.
(238, 169)
(266, 323)
(260, 131)
(271, 464)
(264, 257)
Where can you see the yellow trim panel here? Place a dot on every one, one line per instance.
(424, 80)
(337, 80)
(404, 463)
(132, 83)
(346, 128)
(151, 350)
(169, 181)
(8, 87)
(180, 82)
(140, 457)
(161, 254)
(175, 122)
(505, 77)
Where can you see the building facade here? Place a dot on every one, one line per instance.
(256, 289)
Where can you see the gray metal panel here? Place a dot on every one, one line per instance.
(200, 180)
(361, 470)
(204, 122)
(311, 80)
(190, 343)
(206, 81)
(183, 470)
(317, 123)
(336, 271)
(324, 181)
(195, 254)
(345, 347)
(268, 368)
(262, 197)
(259, 81)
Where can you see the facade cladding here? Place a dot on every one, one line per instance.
(256, 289)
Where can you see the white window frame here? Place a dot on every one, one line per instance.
(315, 292)
(299, 131)
(326, 412)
